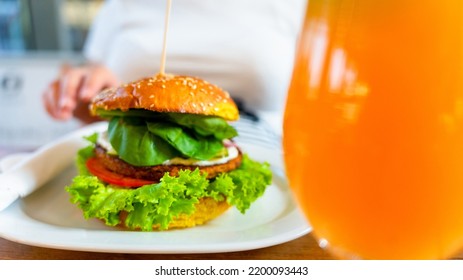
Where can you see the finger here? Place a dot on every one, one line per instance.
(65, 68)
(94, 82)
(50, 99)
(48, 102)
(69, 86)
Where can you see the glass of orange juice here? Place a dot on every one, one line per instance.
(373, 128)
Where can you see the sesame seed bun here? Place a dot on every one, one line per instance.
(169, 94)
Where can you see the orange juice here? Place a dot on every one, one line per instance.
(373, 129)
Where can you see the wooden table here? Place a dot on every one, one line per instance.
(302, 248)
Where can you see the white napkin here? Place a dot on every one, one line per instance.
(32, 171)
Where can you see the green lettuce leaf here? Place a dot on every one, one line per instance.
(86, 153)
(252, 175)
(143, 143)
(146, 138)
(191, 146)
(136, 145)
(205, 125)
(158, 204)
(202, 125)
(139, 113)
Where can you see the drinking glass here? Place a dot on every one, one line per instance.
(373, 127)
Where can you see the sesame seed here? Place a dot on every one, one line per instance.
(163, 86)
(151, 96)
(152, 105)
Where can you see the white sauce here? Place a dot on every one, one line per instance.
(232, 153)
(103, 141)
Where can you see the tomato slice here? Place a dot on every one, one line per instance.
(98, 169)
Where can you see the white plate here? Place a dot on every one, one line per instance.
(46, 218)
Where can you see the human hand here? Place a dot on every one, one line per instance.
(70, 94)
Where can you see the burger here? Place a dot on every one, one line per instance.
(167, 159)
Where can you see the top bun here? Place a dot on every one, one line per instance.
(169, 94)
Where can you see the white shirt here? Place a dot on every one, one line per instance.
(244, 46)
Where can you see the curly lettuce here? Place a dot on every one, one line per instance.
(158, 204)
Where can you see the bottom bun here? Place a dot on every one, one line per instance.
(206, 210)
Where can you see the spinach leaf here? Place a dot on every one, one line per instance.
(205, 125)
(202, 125)
(190, 145)
(136, 145)
(140, 113)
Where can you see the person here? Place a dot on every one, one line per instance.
(246, 47)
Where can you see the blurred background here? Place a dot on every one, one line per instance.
(36, 38)
(45, 25)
